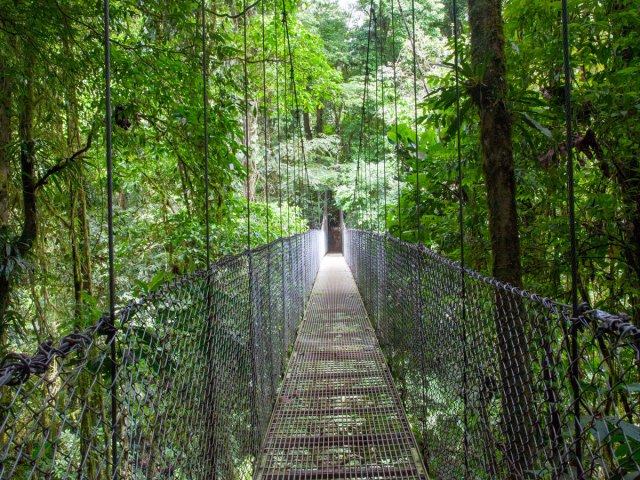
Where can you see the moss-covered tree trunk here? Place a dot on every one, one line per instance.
(306, 121)
(320, 120)
(89, 400)
(5, 183)
(490, 96)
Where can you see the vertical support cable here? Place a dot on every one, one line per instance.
(383, 302)
(205, 119)
(247, 127)
(112, 276)
(395, 108)
(574, 371)
(266, 120)
(302, 169)
(277, 81)
(266, 199)
(286, 135)
(376, 120)
(282, 241)
(415, 116)
(425, 387)
(253, 402)
(384, 128)
(212, 449)
(463, 285)
(292, 304)
(364, 100)
(287, 39)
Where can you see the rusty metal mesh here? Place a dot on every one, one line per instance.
(511, 387)
(197, 366)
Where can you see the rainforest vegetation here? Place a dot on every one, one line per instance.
(52, 146)
(311, 105)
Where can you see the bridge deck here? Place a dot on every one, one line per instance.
(338, 415)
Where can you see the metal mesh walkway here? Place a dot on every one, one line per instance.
(338, 414)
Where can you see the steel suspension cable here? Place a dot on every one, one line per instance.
(463, 284)
(287, 39)
(368, 155)
(376, 119)
(283, 274)
(111, 328)
(304, 173)
(266, 119)
(286, 135)
(362, 119)
(415, 118)
(253, 400)
(266, 179)
(570, 159)
(384, 126)
(205, 119)
(279, 138)
(246, 123)
(574, 366)
(289, 75)
(395, 108)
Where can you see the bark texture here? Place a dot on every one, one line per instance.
(22, 246)
(306, 120)
(5, 183)
(490, 96)
(320, 120)
(487, 51)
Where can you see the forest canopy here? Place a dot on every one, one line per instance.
(311, 136)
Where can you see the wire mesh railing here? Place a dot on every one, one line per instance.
(197, 366)
(511, 387)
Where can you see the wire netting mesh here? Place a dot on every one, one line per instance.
(511, 387)
(197, 366)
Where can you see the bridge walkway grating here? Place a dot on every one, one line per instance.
(338, 414)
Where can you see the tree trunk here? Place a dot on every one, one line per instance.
(27, 163)
(306, 120)
(629, 180)
(22, 246)
(490, 95)
(487, 49)
(5, 185)
(82, 285)
(320, 120)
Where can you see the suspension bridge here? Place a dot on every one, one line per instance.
(383, 360)
(202, 389)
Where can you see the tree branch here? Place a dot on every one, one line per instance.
(236, 16)
(63, 164)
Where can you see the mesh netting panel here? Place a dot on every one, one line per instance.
(519, 389)
(197, 366)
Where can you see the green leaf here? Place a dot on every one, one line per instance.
(533, 123)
